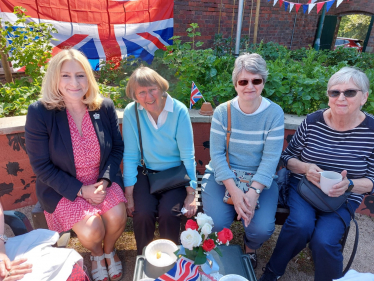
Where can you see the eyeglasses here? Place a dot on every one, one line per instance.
(255, 82)
(152, 92)
(347, 93)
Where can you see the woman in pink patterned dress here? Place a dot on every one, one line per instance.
(75, 149)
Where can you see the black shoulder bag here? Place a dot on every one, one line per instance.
(165, 180)
(319, 200)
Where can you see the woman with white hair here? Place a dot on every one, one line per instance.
(340, 139)
(254, 148)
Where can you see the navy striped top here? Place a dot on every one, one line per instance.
(353, 150)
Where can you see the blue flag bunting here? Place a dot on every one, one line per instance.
(329, 4)
(286, 4)
(305, 8)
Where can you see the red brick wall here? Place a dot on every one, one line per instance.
(275, 23)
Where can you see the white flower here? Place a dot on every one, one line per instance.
(206, 229)
(190, 238)
(203, 219)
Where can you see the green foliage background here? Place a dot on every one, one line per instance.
(354, 26)
(297, 78)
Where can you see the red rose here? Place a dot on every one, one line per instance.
(192, 225)
(225, 235)
(208, 245)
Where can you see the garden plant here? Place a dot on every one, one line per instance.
(297, 78)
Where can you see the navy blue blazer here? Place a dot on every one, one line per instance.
(49, 147)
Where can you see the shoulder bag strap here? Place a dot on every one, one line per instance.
(228, 132)
(140, 140)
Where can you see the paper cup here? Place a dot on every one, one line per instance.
(233, 277)
(328, 179)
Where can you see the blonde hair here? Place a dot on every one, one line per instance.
(51, 96)
(145, 77)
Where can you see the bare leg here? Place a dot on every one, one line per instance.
(114, 222)
(90, 232)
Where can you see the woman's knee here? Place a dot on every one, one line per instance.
(116, 216)
(91, 229)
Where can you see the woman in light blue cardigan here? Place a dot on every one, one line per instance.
(257, 132)
(167, 142)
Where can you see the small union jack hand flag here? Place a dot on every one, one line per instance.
(183, 270)
(195, 95)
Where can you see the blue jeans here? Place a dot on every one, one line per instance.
(262, 224)
(321, 230)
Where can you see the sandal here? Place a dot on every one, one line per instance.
(115, 268)
(100, 273)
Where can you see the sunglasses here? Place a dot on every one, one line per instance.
(347, 93)
(256, 82)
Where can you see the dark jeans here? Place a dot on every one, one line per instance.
(165, 206)
(321, 230)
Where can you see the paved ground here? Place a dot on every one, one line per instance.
(299, 269)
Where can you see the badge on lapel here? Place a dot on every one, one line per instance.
(96, 116)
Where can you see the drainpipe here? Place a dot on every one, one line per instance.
(368, 34)
(317, 43)
(239, 27)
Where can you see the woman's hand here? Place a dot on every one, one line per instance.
(312, 173)
(4, 265)
(130, 207)
(190, 203)
(17, 270)
(252, 198)
(94, 193)
(341, 187)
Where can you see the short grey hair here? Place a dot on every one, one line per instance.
(252, 63)
(347, 74)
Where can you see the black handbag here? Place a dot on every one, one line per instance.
(318, 199)
(162, 181)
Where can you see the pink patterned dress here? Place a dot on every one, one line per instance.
(86, 149)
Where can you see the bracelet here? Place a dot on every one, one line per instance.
(80, 193)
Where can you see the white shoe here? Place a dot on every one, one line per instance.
(100, 273)
(115, 268)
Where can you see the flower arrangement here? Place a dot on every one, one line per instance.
(198, 239)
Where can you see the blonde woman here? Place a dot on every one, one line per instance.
(75, 149)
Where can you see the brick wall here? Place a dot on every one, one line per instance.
(275, 23)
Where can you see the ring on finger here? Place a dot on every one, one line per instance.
(9, 273)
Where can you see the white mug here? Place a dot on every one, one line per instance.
(328, 179)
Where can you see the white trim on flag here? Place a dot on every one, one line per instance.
(275, 2)
(291, 6)
(338, 3)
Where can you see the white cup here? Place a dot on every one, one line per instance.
(328, 179)
(233, 277)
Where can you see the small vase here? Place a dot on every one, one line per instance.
(206, 109)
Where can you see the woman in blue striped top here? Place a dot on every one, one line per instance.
(256, 142)
(340, 139)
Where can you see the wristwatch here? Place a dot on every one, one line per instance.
(258, 191)
(350, 186)
(3, 237)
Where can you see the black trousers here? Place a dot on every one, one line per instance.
(166, 206)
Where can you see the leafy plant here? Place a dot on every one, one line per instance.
(16, 97)
(28, 43)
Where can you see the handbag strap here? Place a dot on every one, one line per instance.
(354, 250)
(228, 132)
(145, 171)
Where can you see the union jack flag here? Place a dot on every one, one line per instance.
(103, 30)
(195, 95)
(183, 270)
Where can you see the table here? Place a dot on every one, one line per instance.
(232, 262)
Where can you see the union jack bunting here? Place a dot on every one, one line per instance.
(183, 270)
(102, 30)
(195, 95)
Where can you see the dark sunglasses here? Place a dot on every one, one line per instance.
(256, 81)
(346, 93)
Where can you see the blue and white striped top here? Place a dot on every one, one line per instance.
(353, 150)
(256, 143)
